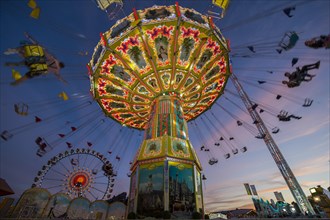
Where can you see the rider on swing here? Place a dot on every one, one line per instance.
(38, 60)
(300, 75)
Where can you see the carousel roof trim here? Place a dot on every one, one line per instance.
(159, 50)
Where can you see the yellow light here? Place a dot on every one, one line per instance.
(221, 3)
(312, 190)
(317, 199)
(80, 179)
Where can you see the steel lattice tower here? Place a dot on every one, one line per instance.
(280, 161)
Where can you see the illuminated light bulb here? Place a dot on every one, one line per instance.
(312, 190)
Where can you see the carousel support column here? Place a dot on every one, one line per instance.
(136, 192)
(166, 186)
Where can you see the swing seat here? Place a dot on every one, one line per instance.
(34, 54)
(38, 69)
(244, 149)
(275, 130)
(227, 156)
(213, 161)
(223, 4)
(111, 7)
(33, 51)
(21, 109)
(6, 135)
(289, 40)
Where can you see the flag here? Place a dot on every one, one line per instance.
(37, 119)
(16, 75)
(247, 188)
(63, 95)
(35, 13)
(35, 9)
(294, 61)
(254, 190)
(32, 4)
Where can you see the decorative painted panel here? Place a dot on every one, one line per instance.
(181, 188)
(151, 189)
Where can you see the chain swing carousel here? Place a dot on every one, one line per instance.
(155, 70)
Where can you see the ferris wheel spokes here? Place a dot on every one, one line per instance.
(75, 178)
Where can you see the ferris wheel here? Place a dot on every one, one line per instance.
(78, 173)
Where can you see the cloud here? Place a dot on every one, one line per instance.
(81, 36)
(308, 184)
(325, 142)
(273, 189)
(313, 165)
(227, 204)
(222, 202)
(247, 206)
(306, 132)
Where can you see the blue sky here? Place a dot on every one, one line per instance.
(66, 28)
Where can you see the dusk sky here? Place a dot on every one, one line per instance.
(70, 30)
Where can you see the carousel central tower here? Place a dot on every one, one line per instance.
(166, 167)
(155, 70)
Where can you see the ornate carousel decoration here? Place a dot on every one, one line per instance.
(155, 70)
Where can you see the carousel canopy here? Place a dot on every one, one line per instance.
(163, 50)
